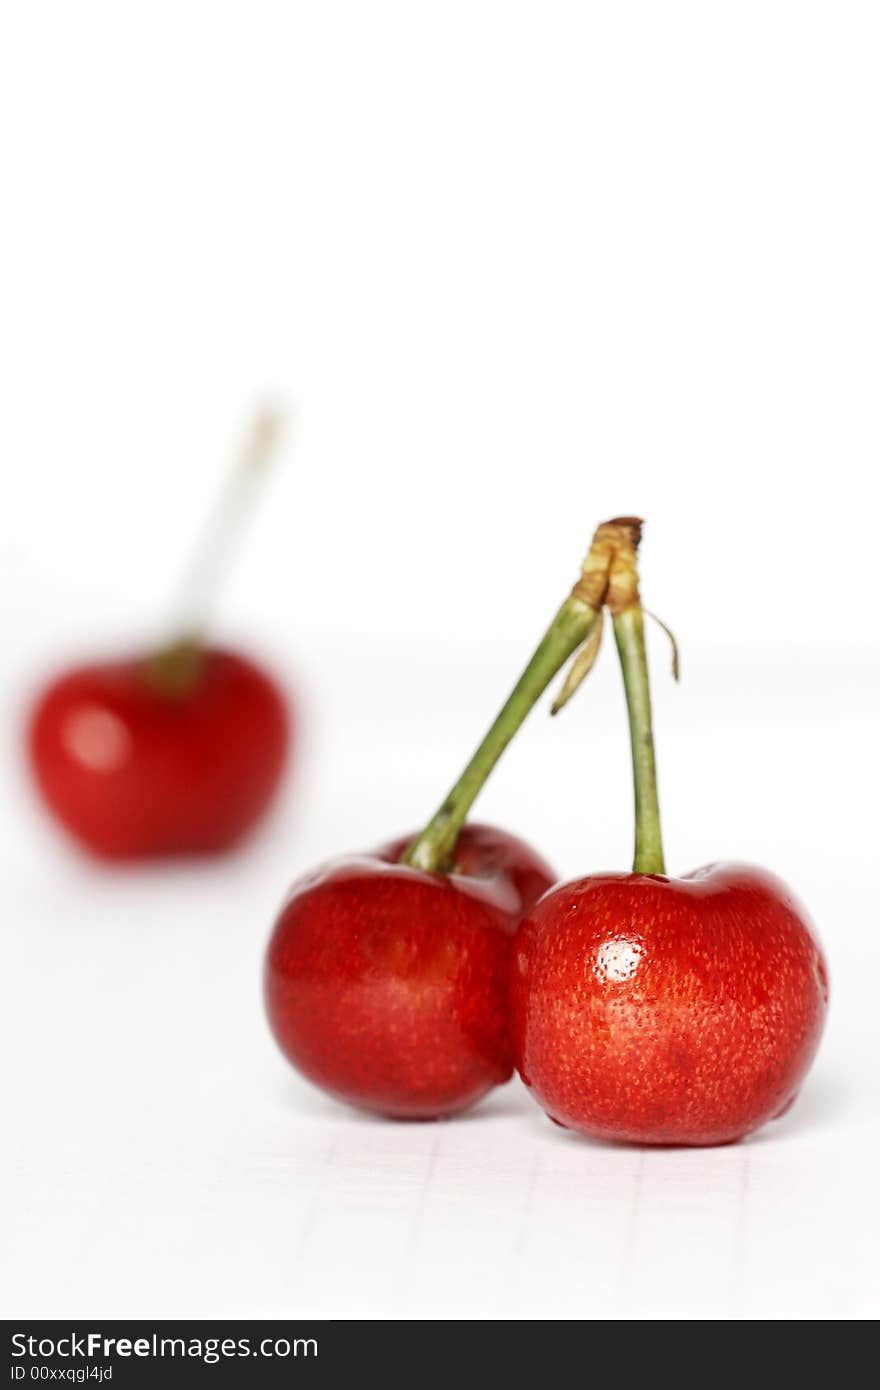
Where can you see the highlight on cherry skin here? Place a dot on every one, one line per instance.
(387, 985)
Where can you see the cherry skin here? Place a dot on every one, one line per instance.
(133, 771)
(667, 1011)
(387, 986)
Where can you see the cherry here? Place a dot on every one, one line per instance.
(175, 750)
(387, 985)
(386, 973)
(135, 769)
(667, 1011)
(658, 1010)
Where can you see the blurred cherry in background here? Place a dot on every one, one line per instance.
(177, 749)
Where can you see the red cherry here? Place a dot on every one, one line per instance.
(387, 986)
(133, 770)
(386, 976)
(667, 1011)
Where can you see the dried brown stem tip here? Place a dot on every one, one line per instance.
(263, 439)
(623, 576)
(610, 538)
(614, 545)
(608, 575)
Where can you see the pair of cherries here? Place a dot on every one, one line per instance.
(635, 1007)
(412, 980)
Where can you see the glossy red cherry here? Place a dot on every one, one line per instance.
(386, 974)
(667, 1011)
(387, 985)
(658, 1010)
(133, 769)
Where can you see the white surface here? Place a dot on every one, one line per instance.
(162, 1160)
(522, 266)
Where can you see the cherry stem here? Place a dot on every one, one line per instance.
(629, 633)
(434, 849)
(174, 667)
(214, 552)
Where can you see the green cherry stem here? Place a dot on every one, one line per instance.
(174, 667)
(434, 849)
(212, 558)
(629, 633)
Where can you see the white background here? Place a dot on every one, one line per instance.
(519, 266)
